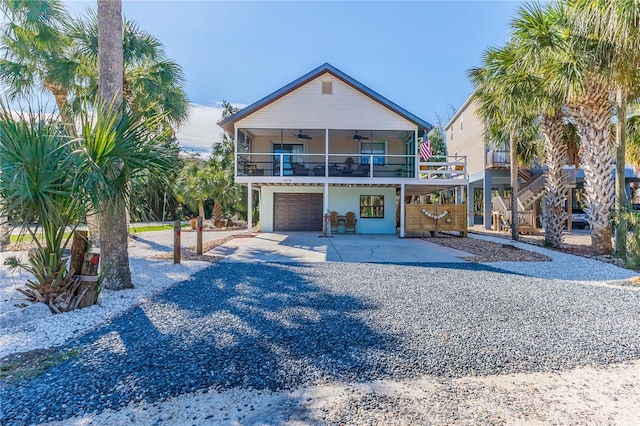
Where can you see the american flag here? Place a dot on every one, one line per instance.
(425, 148)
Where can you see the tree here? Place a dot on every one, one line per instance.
(37, 54)
(615, 27)
(505, 107)
(151, 84)
(112, 213)
(574, 69)
(49, 180)
(531, 29)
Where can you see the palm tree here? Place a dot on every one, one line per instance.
(37, 54)
(505, 107)
(615, 25)
(533, 26)
(113, 226)
(633, 137)
(574, 69)
(152, 83)
(196, 184)
(50, 179)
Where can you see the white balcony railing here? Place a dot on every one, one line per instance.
(350, 165)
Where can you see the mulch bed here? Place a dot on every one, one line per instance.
(487, 251)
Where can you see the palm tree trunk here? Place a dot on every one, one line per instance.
(114, 252)
(513, 159)
(113, 226)
(201, 208)
(593, 118)
(555, 197)
(621, 193)
(5, 233)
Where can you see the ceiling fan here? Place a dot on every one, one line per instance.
(301, 135)
(357, 137)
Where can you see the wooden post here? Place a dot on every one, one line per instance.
(176, 241)
(78, 248)
(199, 236)
(88, 279)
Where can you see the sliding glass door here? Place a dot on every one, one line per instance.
(291, 155)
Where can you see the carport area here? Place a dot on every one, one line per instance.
(295, 247)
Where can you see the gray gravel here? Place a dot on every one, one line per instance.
(276, 326)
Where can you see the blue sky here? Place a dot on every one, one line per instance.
(415, 53)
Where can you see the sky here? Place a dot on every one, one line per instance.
(415, 53)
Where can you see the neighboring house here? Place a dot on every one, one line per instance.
(325, 142)
(489, 168)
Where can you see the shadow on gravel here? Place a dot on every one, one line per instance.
(152, 244)
(253, 326)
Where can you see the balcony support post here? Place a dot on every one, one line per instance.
(249, 208)
(487, 199)
(416, 159)
(326, 152)
(235, 151)
(401, 201)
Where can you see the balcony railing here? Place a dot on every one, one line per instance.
(349, 165)
(497, 159)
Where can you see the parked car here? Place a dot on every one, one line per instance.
(579, 219)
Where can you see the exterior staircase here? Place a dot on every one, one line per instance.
(527, 195)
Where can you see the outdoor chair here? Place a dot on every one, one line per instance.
(299, 169)
(334, 222)
(350, 223)
(362, 170)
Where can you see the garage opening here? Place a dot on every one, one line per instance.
(297, 212)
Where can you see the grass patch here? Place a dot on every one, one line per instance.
(33, 363)
(147, 228)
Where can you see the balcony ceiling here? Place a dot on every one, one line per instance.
(318, 134)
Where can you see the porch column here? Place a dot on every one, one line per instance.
(235, 151)
(401, 210)
(470, 205)
(326, 152)
(459, 192)
(249, 205)
(325, 205)
(486, 192)
(416, 161)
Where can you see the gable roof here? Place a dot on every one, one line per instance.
(227, 123)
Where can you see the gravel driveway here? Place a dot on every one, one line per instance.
(276, 326)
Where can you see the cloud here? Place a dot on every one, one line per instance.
(200, 132)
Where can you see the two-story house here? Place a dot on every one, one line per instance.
(489, 172)
(326, 142)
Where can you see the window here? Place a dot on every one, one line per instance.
(327, 87)
(372, 206)
(461, 121)
(369, 148)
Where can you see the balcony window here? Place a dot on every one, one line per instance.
(369, 148)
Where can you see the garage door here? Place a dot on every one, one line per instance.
(298, 212)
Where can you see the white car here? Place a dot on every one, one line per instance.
(579, 219)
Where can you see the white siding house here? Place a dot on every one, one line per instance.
(325, 142)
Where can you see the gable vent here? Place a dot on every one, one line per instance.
(327, 88)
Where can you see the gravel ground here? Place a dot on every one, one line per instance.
(275, 328)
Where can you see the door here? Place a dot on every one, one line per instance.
(297, 212)
(290, 152)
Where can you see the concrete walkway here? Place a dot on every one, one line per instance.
(297, 247)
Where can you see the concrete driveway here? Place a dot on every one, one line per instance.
(297, 247)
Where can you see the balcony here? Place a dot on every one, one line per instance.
(312, 167)
(497, 159)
